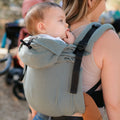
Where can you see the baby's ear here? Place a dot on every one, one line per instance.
(41, 28)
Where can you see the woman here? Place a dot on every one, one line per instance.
(105, 53)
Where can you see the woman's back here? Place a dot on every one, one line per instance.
(91, 72)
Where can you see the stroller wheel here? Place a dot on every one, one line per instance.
(13, 75)
(9, 78)
(19, 91)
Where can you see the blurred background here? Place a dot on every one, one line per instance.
(12, 107)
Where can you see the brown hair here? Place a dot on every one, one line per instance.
(36, 14)
(76, 9)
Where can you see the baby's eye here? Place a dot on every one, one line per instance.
(60, 20)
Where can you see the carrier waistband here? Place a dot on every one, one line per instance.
(67, 118)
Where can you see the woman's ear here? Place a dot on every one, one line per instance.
(41, 28)
(91, 3)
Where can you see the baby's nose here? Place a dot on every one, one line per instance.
(66, 25)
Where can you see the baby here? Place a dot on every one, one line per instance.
(47, 20)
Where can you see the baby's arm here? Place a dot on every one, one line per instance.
(69, 37)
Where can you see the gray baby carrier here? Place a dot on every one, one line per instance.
(52, 81)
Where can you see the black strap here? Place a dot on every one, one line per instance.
(24, 71)
(97, 95)
(67, 118)
(27, 44)
(79, 53)
(94, 87)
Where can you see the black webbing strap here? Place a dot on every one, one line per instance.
(26, 44)
(79, 53)
(24, 71)
(97, 95)
(94, 87)
(67, 118)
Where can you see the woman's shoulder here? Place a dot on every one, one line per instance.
(109, 41)
(109, 36)
(106, 46)
(105, 34)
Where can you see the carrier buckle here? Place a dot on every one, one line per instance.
(80, 48)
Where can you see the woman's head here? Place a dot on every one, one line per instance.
(78, 9)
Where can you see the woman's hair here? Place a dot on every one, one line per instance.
(76, 9)
(36, 14)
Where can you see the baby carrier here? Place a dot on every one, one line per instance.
(47, 81)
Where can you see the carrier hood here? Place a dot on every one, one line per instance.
(45, 51)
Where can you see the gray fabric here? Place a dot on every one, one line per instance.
(48, 77)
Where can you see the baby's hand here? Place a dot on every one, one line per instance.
(69, 37)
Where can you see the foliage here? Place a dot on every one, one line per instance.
(8, 2)
(114, 4)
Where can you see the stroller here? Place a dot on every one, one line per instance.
(13, 70)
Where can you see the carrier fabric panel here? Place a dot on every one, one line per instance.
(44, 52)
(48, 78)
(53, 86)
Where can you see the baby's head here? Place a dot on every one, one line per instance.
(46, 18)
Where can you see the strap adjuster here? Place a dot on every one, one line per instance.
(27, 44)
(80, 48)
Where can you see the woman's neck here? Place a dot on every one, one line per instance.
(80, 23)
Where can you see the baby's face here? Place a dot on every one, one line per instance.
(55, 22)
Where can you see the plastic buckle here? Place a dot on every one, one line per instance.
(80, 48)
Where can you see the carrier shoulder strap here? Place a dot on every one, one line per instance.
(79, 53)
(24, 71)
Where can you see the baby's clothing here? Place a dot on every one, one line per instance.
(41, 117)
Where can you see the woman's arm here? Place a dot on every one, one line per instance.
(107, 56)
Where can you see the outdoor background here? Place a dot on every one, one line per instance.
(10, 107)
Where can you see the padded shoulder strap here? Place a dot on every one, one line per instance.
(86, 44)
(96, 35)
(79, 53)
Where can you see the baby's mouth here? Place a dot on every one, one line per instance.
(68, 29)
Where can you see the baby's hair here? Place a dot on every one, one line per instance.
(36, 14)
